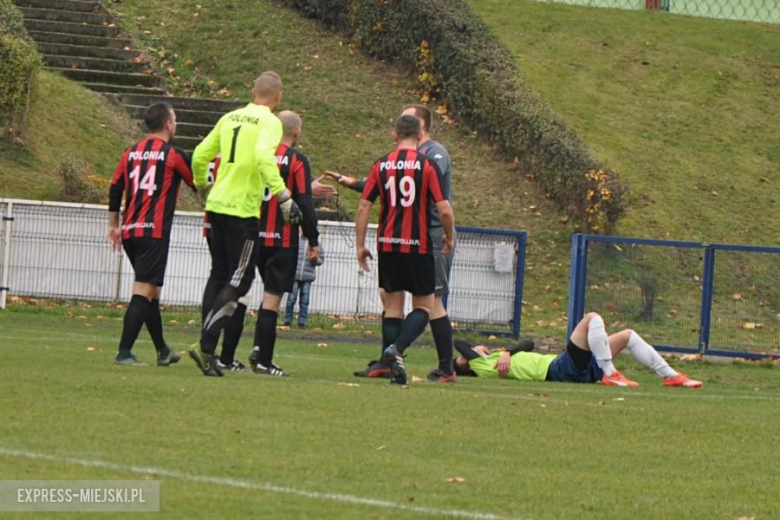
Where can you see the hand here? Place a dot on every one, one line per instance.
(314, 254)
(318, 189)
(364, 255)
(203, 192)
(290, 210)
(503, 364)
(344, 180)
(482, 350)
(449, 245)
(115, 237)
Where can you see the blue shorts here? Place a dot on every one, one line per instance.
(564, 369)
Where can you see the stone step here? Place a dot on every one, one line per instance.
(78, 39)
(113, 78)
(102, 31)
(58, 15)
(186, 142)
(67, 5)
(195, 104)
(192, 129)
(110, 90)
(201, 117)
(86, 51)
(99, 64)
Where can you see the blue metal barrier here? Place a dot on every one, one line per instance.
(670, 290)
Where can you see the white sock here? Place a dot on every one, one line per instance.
(599, 345)
(647, 356)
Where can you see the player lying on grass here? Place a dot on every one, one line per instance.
(587, 359)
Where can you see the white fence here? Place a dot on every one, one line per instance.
(60, 250)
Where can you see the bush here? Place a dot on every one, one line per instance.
(80, 182)
(454, 53)
(19, 66)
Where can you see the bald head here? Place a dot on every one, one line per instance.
(268, 89)
(291, 123)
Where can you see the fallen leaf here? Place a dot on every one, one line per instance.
(620, 399)
(690, 357)
(347, 384)
(381, 448)
(338, 325)
(737, 297)
(322, 345)
(459, 480)
(416, 379)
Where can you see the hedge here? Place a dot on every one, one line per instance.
(19, 66)
(480, 81)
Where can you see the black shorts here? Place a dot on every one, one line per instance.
(148, 256)
(233, 247)
(277, 266)
(407, 272)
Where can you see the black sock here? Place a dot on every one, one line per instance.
(265, 335)
(232, 335)
(413, 325)
(224, 306)
(391, 328)
(155, 327)
(135, 316)
(441, 328)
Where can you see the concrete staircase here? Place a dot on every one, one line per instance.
(81, 40)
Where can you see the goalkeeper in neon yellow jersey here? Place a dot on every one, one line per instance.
(246, 140)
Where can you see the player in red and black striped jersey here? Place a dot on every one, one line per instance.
(149, 175)
(407, 184)
(277, 256)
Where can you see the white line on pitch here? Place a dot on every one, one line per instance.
(248, 484)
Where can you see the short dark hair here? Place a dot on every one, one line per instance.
(407, 126)
(157, 115)
(424, 114)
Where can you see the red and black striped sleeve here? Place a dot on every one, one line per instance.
(118, 184)
(371, 189)
(302, 197)
(182, 165)
(431, 171)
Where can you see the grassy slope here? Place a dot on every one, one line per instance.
(687, 109)
(348, 103)
(66, 119)
(527, 450)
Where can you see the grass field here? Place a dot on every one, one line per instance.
(66, 120)
(686, 109)
(322, 444)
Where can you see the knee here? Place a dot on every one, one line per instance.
(593, 317)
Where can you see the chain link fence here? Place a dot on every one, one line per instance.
(766, 11)
(57, 250)
(682, 296)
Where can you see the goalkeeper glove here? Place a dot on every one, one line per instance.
(290, 210)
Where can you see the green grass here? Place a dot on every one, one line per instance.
(686, 109)
(66, 119)
(526, 450)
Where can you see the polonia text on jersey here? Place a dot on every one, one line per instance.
(399, 165)
(266, 234)
(243, 118)
(397, 240)
(146, 155)
(282, 160)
